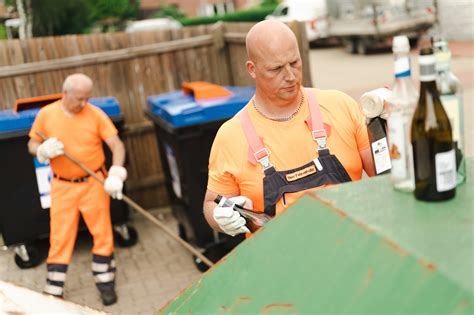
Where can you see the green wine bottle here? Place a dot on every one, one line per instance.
(432, 139)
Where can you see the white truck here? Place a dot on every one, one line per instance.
(360, 25)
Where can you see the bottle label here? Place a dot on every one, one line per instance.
(445, 164)
(381, 155)
(401, 67)
(398, 145)
(451, 105)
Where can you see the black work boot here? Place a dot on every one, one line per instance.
(108, 296)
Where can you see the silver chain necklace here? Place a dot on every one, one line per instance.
(280, 119)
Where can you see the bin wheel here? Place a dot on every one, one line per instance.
(34, 257)
(215, 251)
(201, 266)
(126, 238)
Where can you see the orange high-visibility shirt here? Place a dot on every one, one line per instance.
(81, 134)
(289, 144)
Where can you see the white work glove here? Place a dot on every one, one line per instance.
(49, 149)
(229, 220)
(113, 184)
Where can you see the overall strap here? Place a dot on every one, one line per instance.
(258, 152)
(317, 127)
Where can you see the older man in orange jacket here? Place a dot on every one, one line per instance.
(74, 125)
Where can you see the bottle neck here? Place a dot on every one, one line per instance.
(443, 61)
(402, 66)
(443, 67)
(427, 85)
(427, 68)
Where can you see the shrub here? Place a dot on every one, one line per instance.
(3, 32)
(255, 14)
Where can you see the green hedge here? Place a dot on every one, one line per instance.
(3, 32)
(250, 15)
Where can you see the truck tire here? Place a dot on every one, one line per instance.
(349, 44)
(361, 46)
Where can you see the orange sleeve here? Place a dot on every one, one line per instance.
(106, 126)
(362, 137)
(223, 164)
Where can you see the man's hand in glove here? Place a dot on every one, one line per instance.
(113, 184)
(229, 220)
(49, 149)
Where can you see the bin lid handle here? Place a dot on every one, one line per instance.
(203, 90)
(35, 102)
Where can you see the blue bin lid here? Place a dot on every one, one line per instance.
(182, 110)
(109, 105)
(16, 121)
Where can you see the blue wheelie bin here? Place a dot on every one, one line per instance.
(186, 122)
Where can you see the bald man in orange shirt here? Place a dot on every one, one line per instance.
(74, 125)
(286, 140)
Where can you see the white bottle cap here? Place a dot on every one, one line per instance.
(400, 44)
(372, 103)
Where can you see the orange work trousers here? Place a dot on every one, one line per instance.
(68, 201)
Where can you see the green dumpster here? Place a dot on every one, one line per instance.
(354, 248)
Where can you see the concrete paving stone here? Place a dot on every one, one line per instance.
(149, 273)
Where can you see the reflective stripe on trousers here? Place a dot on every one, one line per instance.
(103, 269)
(55, 279)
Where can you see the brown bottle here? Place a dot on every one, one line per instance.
(254, 220)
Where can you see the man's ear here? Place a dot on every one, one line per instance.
(250, 68)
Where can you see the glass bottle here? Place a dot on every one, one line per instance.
(254, 220)
(373, 107)
(451, 94)
(402, 105)
(431, 136)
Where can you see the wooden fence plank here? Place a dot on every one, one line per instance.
(104, 57)
(131, 67)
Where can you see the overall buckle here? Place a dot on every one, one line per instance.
(320, 136)
(262, 157)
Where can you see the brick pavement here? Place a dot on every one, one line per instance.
(149, 274)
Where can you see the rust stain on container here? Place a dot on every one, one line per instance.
(245, 299)
(427, 265)
(396, 248)
(364, 226)
(273, 306)
(330, 203)
(370, 276)
(224, 308)
(183, 303)
(461, 306)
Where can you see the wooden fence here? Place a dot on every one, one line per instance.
(131, 67)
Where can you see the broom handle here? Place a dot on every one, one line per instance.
(139, 209)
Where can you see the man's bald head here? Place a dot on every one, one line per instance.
(265, 36)
(77, 89)
(77, 81)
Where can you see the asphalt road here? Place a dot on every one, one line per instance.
(333, 68)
